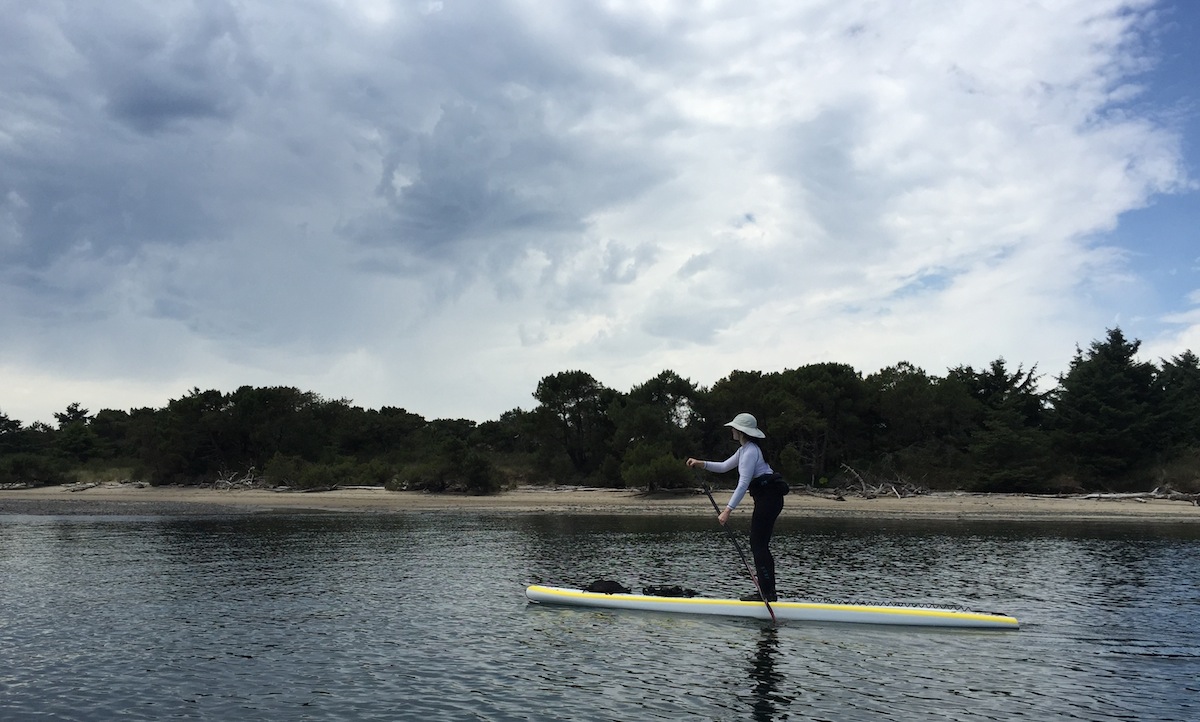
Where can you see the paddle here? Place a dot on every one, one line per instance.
(734, 541)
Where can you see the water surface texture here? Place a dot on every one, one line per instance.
(423, 617)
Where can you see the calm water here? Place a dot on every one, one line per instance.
(353, 617)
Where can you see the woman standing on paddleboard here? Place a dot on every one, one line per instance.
(766, 488)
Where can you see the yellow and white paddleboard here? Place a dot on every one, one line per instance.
(798, 611)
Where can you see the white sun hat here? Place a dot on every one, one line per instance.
(748, 425)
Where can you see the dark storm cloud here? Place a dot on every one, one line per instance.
(198, 68)
(480, 171)
(509, 160)
(491, 178)
(179, 123)
(109, 135)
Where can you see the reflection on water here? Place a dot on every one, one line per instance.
(767, 681)
(280, 617)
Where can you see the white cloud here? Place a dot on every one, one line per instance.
(1181, 333)
(433, 206)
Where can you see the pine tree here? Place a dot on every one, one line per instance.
(1104, 411)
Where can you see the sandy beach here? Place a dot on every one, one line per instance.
(131, 499)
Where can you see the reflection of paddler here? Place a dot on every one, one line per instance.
(767, 489)
(767, 681)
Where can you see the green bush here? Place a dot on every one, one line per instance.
(472, 473)
(1181, 473)
(478, 475)
(33, 469)
(283, 470)
(792, 466)
(317, 476)
(371, 473)
(653, 468)
(426, 476)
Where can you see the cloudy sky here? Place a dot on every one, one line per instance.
(434, 204)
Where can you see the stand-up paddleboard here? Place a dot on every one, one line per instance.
(784, 611)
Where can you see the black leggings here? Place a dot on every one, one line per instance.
(767, 506)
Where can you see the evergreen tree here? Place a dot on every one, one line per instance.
(659, 410)
(75, 439)
(820, 420)
(10, 434)
(1009, 452)
(652, 430)
(73, 415)
(573, 418)
(1179, 384)
(1104, 411)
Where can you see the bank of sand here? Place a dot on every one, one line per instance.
(130, 499)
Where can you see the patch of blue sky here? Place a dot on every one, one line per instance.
(927, 281)
(1162, 238)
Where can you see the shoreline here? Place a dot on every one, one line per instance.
(138, 500)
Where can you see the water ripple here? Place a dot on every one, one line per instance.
(423, 618)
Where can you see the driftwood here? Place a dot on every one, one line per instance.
(328, 487)
(231, 480)
(868, 488)
(902, 488)
(1144, 496)
(85, 485)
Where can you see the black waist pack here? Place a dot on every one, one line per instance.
(772, 483)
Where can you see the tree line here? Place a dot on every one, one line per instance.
(1110, 422)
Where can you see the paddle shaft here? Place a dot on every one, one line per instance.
(742, 554)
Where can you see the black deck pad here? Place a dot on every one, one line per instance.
(663, 590)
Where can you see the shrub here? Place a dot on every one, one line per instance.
(652, 467)
(283, 470)
(32, 469)
(1181, 473)
(427, 476)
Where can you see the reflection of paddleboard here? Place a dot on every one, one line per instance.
(784, 611)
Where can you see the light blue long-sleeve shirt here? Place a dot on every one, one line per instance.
(749, 462)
